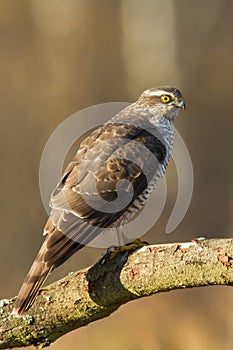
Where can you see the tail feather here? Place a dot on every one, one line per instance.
(29, 290)
(55, 250)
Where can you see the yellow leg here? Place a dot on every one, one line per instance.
(122, 239)
(129, 247)
(123, 246)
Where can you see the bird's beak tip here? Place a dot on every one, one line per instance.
(181, 104)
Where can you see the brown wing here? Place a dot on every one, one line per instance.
(91, 183)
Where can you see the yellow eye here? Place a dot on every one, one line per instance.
(165, 98)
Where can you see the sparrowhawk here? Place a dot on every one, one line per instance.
(109, 180)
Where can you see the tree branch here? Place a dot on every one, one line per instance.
(93, 293)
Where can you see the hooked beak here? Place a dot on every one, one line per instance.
(181, 104)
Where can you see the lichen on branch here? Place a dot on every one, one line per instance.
(95, 292)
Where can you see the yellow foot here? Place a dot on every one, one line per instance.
(129, 247)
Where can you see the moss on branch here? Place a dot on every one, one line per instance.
(95, 292)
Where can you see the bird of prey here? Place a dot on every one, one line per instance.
(109, 180)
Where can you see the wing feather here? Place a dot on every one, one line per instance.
(94, 175)
(109, 155)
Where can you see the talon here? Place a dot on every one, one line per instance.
(112, 251)
(138, 243)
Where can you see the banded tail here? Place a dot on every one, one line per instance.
(55, 250)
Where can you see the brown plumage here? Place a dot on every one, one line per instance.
(135, 145)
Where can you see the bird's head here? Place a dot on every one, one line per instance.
(163, 101)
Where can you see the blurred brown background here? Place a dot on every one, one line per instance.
(58, 57)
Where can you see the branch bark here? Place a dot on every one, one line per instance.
(95, 292)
